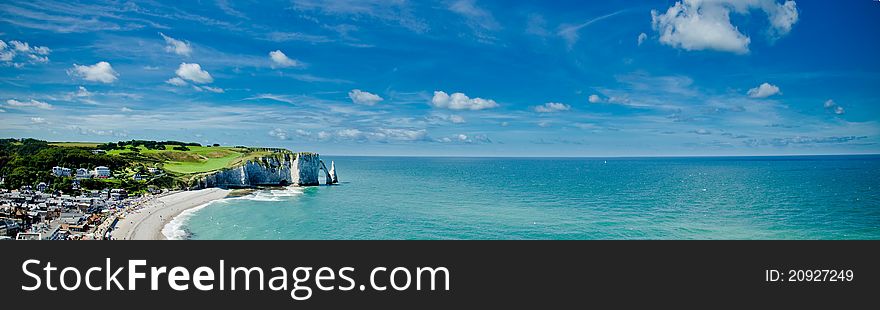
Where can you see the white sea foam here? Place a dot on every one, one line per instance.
(176, 228)
(273, 195)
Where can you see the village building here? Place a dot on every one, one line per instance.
(102, 172)
(61, 171)
(83, 173)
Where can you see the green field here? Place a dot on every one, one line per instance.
(197, 159)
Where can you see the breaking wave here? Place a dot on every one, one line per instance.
(176, 228)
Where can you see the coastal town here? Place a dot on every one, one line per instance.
(130, 190)
(36, 212)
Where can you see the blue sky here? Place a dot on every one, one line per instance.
(461, 77)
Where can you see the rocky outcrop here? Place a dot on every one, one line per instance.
(305, 169)
(330, 175)
(277, 170)
(333, 179)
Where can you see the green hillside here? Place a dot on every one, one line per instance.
(29, 161)
(197, 159)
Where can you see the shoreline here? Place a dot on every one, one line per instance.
(147, 223)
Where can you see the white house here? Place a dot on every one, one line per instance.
(83, 173)
(102, 172)
(61, 171)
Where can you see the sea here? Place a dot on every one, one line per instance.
(788, 197)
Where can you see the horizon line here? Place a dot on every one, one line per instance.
(612, 156)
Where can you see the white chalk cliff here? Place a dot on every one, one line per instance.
(276, 170)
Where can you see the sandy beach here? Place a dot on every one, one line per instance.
(147, 223)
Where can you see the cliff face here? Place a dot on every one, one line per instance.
(285, 169)
(305, 168)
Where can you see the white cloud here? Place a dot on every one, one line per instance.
(705, 25)
(126, 110)
(833, 107)
(783, 17)
(281, 60)
(478, 19)
(618, 100)
(217, 90)
(350, 133)
(829, 104)
(98, 132)
(38, 120)
(374, 135)
(399, 134)
(455, 119)
(19, 46)
(361, 97)
(476, 15)
(176, 81)
(398, 12)
(28, 104)
(6, 56)
(642, 37)
(444, 118)
(194, 73)
(42, 50)
(594, 99)
(100, 72)
(82, 92)
(279, 133)
(38, 59)
(176, 46)
(551, 107)
(21, 53)
(25, 47)
(460, 101)
(464, 138)
(570, 33)
(764, 90)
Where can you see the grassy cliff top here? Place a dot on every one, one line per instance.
(197, 159)
(187, 161)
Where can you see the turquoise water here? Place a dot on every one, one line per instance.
(829, 197)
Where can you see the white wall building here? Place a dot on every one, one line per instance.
(83, 173)
(61, 171)
(102, 172)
